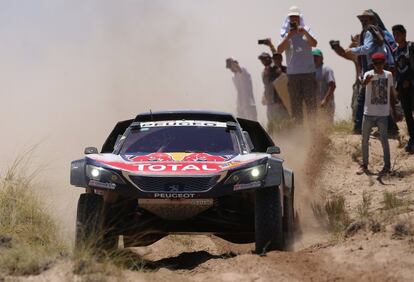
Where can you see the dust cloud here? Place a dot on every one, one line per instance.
(304, 149)
(70, 70)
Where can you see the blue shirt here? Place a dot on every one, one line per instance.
(368, 48)
(299, 58)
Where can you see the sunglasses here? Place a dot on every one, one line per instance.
(379, 62)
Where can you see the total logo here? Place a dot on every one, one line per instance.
(192, 165)
(190, 168)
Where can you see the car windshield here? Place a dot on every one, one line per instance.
(215, 140)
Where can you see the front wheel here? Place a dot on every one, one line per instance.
(268, 220)
(91, 224)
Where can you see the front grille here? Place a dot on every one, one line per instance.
(174, 184)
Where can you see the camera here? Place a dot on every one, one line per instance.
(293, 25)
(263, 41)
(334, 44)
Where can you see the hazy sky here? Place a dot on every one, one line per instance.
(70, 69)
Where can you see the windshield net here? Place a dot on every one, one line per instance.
(216, 140)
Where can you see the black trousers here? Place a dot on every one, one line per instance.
(406, 96)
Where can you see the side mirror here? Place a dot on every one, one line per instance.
(273, 150)
(231, 125)
(91, 150)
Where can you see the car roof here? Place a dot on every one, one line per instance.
(185, 114)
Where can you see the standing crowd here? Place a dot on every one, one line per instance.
(384, 64)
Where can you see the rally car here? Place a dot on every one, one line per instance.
(184, 172)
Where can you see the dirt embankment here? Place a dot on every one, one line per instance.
(362, 231)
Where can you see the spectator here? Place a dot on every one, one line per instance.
(326, 85)
(335, 45)
(275, 111)
(389, 38)
(278, 62)
(246, 107)
(276, 57)
(379, 96)
(371, 41)
(297, 41)
(404, 58)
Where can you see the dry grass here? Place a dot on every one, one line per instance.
(343, 127)
(391, 201)
(33, 243)
(106, 265)
(356, 154)
(364, 207)
(333, 214)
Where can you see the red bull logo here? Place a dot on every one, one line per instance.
(203, 157)
(154, 157)
(186, 157)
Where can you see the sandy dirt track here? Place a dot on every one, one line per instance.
(363, 255)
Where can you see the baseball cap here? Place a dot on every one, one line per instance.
(378, 56)
(264, 55)
(294, 11)
(317, 52)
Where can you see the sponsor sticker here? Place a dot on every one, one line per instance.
(195, 157)
(182, 123)
(105, 185)
(174, 195)
(191, 202)
(254, 184)
(194, 167)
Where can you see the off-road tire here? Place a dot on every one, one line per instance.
(88, 220)
(268, 220)
(288, 222)
(91, 224)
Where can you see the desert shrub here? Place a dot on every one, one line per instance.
(391, 201)
(333, 213)
(33, 239)
(363, 208)
(343, 126)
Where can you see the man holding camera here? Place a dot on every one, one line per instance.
(276, 57)
(274, 108)
(371, 41)
(246, 107)
(298, 42)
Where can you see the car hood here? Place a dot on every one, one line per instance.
(174, 163)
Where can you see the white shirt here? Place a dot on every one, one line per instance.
(243, 83)
(377, 95)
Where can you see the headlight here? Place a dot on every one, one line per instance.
(102, 175)
(247, 175)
